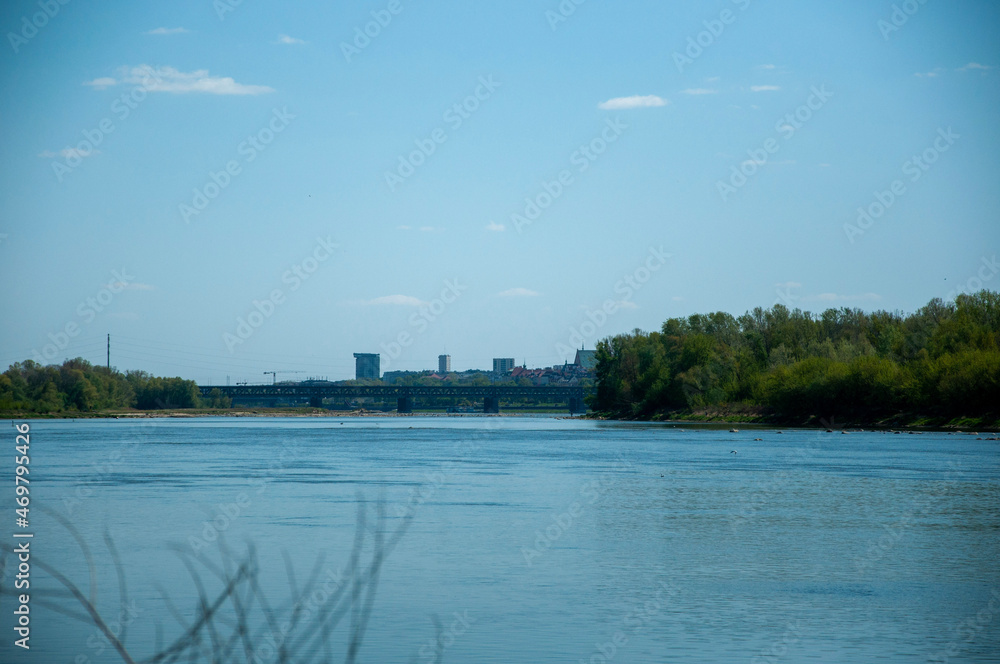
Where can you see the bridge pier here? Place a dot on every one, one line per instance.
(576, 405)
(491, 405)
(404, 405)
(316, 401)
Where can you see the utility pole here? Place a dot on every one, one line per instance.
(109, 351)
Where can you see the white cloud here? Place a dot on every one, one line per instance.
(699, 91)
(934, 73)
(168, 31)
(396, 300)
(626, 103)
(765, 66)
(518, 292)
(713, 79)
(430, 229)
(402, 228)
(495, 227)
(627, 304)
(285, 39)
(975, 65)
(68, 153)
(789, 284)
(168, 79)
(834, 297)
(764, 88)
(101, 83)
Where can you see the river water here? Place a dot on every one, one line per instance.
(528, 539)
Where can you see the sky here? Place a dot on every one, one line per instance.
(232, 187)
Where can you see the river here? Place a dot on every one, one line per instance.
(527, 539)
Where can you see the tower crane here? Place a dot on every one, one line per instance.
(274, 375)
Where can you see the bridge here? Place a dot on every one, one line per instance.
(491, 395)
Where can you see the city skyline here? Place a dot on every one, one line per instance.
(427, 188)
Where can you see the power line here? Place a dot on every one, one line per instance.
(270, 356)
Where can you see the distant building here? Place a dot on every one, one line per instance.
(367, 366)
(503, 365)
(586, 359)
(444, 364)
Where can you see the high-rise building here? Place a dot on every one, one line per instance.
(444, 364)
(367, 366)
(503, 365)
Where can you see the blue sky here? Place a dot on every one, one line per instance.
(492, 174)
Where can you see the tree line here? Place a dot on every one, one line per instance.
(79, 386)
(939, 363)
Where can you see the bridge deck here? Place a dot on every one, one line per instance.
(490, 394)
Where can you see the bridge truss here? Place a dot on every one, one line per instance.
(491, 395)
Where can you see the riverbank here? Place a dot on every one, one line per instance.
(732, 416)
(243, 412)
(738, 414)
(761, 416)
